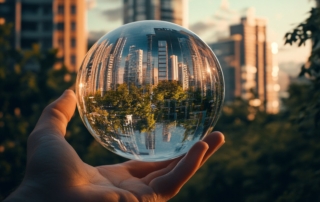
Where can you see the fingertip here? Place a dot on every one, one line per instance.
(204, 145)
(69, 93)
(168, 185)
(214, 140)
(215, 136)
(219, 135)
(198, 151)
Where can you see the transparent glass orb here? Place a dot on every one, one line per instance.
(150, 90)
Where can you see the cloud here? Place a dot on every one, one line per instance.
(202, 26)
(220, 17)
(114, 14)
(95, 35)
(107, 1)
(92, 4)
(284, 49)
(216, 26)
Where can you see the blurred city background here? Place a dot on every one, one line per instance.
(269, 53)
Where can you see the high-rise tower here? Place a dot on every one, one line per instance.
(247, 62)
(254, 54)
(51, 24)
(175, 11)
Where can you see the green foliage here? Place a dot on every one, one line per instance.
(265, 158)
(169, 90)
(309, 110)
(28, 82)
(270, 157)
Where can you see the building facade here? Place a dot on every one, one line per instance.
(57, 24)
(248, 64)
(175, 11)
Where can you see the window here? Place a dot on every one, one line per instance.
(73, 59)
(47, 9)
(46, 43)
(73, 26)
(29, 26)
(130, 3)
(61, 42)
(140, 17)
(166, 4)
(5, 9)
(167, 14)
(140, 2)
(47, 26)
(73, 9)
(60, 9)
(60, 26)
(130, 12)
(73, 42)
(28, 8)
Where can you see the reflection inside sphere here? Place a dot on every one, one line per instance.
(149, 90)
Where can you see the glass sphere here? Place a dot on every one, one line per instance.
(149, 90)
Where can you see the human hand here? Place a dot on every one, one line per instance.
(56, 173)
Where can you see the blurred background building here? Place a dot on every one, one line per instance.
(51, 24)
(248, 60)
(175, 11)
(249, 63)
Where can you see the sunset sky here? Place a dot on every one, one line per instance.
(210, 19)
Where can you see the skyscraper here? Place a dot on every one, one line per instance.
(228, 53)
(246, 60)
(183, 75)
(175, 11)
(273, 87)
(149, 72)
(150, 141)
(162, 60)
(173, 70)
(133, 72)
(117, 54)
(254, 54)
(51, 24)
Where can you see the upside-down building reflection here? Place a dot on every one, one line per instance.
(150, 92)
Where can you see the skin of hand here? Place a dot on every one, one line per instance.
(56, 173)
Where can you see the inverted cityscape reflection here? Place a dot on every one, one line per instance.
(149, 90)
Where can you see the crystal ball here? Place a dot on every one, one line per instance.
(149, 90)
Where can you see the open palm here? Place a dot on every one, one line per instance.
(56, 173)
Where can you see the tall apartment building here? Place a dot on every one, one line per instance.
(134, 67)
(175, 11)
(51, 24)
(173, 68)
(272, 76)
(163, 60)
(247, 62)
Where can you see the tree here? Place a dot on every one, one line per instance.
(270, 157)
(28, 82)
(309, 30)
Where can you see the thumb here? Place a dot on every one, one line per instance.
(54, 119)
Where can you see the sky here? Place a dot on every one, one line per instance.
(210, 20)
